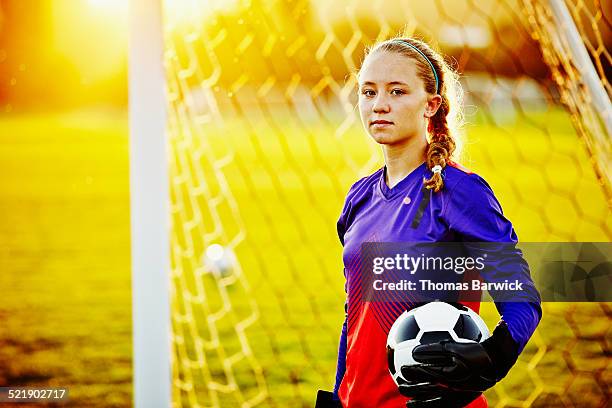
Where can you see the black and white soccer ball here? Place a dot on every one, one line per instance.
(430, 323)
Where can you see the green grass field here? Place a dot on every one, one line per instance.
(64, 255)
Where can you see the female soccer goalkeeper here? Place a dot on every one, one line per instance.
(408, 102)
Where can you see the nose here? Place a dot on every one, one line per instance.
(381, 104)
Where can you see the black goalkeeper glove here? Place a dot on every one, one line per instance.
(471, 367)
(325, 399)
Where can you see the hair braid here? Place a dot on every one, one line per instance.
(442, 145)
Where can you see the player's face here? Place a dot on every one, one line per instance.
(393, 103)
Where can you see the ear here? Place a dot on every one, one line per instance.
(433, 104)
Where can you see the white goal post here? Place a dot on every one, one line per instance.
(149, 206)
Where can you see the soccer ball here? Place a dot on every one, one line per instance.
(219, 260)
(430, 323)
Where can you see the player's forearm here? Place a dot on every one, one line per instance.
(522, 319)
(521, 310)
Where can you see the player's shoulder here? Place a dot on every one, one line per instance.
(365, 184)
(457, 175)
(453, 166)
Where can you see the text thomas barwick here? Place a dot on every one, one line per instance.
(426, 284)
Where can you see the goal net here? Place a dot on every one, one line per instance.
(265, 140)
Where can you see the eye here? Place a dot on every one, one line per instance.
(397, 91)
(368, 92)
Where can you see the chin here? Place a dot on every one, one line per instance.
(384, 138)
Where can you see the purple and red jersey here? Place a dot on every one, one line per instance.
(465, 210)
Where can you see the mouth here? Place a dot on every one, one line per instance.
(380, 123)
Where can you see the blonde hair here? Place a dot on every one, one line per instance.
(444, 126)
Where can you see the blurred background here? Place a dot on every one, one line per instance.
(65, 304)
(264, 141)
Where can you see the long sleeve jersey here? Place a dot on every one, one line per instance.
(465, 210)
